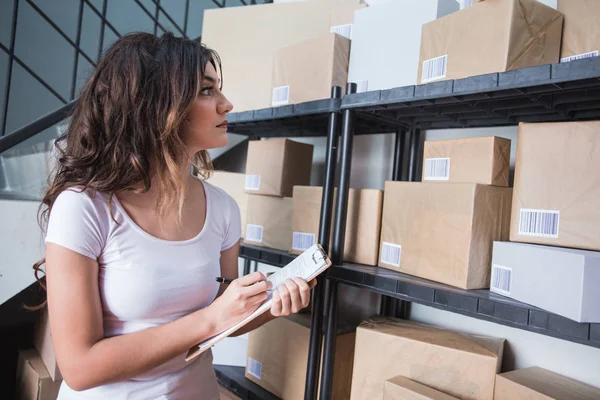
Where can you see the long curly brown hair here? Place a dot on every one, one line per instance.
(130, 116)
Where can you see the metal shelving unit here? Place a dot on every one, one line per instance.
(234, 380)
(548, 93)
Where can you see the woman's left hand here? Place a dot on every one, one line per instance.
(291, 297)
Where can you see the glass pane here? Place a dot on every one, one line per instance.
(84, 72)
(109, 38)
(6, 11)
(63, 13)
(25, 169)
(127, 16)
(176, 10)
(28, 101)
(196, 13)
(3, 69)
(90, 32)
(98, 4)
(168, 25)
(43, 50)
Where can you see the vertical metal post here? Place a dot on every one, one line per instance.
(316, 331)
(416, 155)
(337, 258)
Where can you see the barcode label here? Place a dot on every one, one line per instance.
(437, 169)
(342, 30)
(254, 368)
(281, 95)
(254, 233)
(362, 86)
(542, 223)
(580, 56)
(501, 280)
(391, 253)
(302, 241)
(434, 68)
(252, 182)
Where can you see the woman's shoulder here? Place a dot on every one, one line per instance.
(80, 199)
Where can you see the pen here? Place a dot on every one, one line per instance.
(226, 281)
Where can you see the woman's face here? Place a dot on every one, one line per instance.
(206, 121)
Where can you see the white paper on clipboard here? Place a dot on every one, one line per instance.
(308, 265)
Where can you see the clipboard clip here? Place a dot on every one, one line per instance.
(318, 256)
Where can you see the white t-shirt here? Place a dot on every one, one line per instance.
(145, 281)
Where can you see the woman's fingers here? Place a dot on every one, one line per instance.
(295, 299)
(276, 306)
(285, 299)
(304, 290)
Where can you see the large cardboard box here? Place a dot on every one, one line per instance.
(443, 231)
(581, 31)
(33, 380)
(269, 222)
(511, 34)
(233, 183)
(393, 25)
(306, 71)
(401, 388)
(539, 384)
(482, 160)
(42, 341)
(557, 185)
(363, 222)
(528, 272)
(278, 357)
(275, 166)
(549, 3)
(246, 39)
(460, 365)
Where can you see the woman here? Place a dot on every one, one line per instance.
(133, 241)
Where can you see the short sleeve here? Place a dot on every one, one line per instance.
(74, 223)
(233, 231)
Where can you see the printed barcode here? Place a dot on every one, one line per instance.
(542, 223)
(254, 233)
(390, 254)
(252, 182)
(580, 56)
(362, 86)
(437, 169)
(434, 68)
(302, 241)
(501, 280)
(342, 30)
(281, 95)
(254, 368)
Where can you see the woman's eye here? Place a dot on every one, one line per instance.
(207, 91)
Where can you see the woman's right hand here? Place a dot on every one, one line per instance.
(241, 298)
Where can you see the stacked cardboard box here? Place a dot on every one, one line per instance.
(555, 201)
(459, 365)
(273, 168)
(401, 388)
(581, 31)
(444, 231)
(233, 184)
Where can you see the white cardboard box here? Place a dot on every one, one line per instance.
(560, 280)
(386, 42)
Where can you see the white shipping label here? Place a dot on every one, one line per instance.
(362, 86)
(437, 169)
(501, 280)
(254, 368)
(302, 241)
(391, 253)
(281, 95)
(252, 182)
(434, 69)
(541, 223)
(580, 56)
(342, 30)
(254, 233)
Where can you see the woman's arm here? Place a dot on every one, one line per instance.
(87, 359)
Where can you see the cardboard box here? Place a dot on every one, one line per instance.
(557, 185)
(393, 25)
(269, 222)
(443, 231)
(278, 357)
(33, 380)
(42, 341)
(482, 160)
(581, 31)
(247, 48)
(233, 183)
(539, 384)
(275, 166)
(306, 71)
(549, 3)
(528, 272)
(363, 222)
(511, 34)
(401, 388)
(460, 365)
